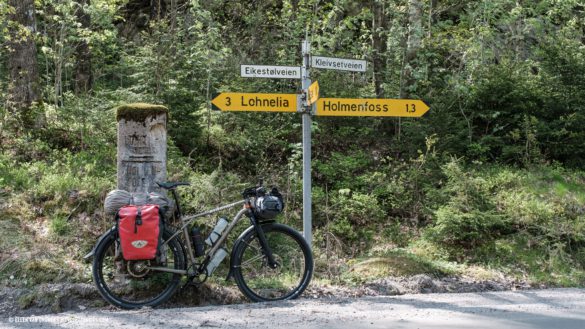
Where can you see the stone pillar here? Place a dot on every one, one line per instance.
(142, 147)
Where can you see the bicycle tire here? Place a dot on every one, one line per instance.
(105, 255)
(260, 283)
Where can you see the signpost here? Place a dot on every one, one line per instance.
(309, 103)
(306, 119)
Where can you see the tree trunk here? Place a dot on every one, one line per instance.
(157, 9)
(379, 45)
(59, 62)
(413, 44)
(23, 91)
(83, 75)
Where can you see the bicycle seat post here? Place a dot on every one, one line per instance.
(177, 201)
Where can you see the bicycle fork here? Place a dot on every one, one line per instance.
(263, 243)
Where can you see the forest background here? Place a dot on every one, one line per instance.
(488, 184)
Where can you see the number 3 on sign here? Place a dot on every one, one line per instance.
(410, 108)
(229, 101)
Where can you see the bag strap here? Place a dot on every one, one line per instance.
(138, 220)
(161, 227)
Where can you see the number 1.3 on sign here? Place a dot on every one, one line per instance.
(410, 108)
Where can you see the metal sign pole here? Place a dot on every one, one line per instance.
(306, 82)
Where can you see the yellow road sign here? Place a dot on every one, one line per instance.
(371, 107)
(255, 102)
(313, 93)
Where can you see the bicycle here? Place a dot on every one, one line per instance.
(269, 261)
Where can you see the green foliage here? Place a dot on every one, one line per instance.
(398, 234)
(59, 226)
(339, 168)
(356, 208)
(482, 178)
(468, 219)
(12, 175)
(529, 223)
(209, 190)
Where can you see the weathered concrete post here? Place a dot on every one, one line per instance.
(142, 146)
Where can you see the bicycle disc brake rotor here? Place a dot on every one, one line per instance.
(138, 268)
(277, 267)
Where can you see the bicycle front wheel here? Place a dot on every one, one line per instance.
(130, 284)
(257, 280)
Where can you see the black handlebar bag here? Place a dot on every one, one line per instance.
(269, 206)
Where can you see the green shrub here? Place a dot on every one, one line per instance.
(340, 170)
(357, 208)
(466, 228)
(469, 218)
(59, 226)
(398, 233)
(15, 176)
(342, 228)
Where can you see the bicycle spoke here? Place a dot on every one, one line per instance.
(251, 260)
(267, 283)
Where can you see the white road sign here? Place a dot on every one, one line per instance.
(270, 71)
(341, 64)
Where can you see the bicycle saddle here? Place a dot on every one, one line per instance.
(171, 185)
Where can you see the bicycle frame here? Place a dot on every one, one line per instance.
(186, 221)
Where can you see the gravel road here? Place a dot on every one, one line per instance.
(551, 308)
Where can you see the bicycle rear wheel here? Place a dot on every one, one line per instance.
(257, 280)
(128, 284)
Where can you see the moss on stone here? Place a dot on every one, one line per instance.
(139, 111)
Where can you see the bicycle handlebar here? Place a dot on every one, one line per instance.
(253, 191)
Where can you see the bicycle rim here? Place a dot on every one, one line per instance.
(258, 281)
(128, 284)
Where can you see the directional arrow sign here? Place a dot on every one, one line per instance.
(255, 102)
(313, 93)
(371, 107)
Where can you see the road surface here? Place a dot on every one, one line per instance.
(551, 308)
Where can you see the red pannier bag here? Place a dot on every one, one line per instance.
(140, 230)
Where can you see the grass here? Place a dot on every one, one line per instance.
(525, 258)
(398, 262)
(60, 226)
(26, 300)
(12, 259)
